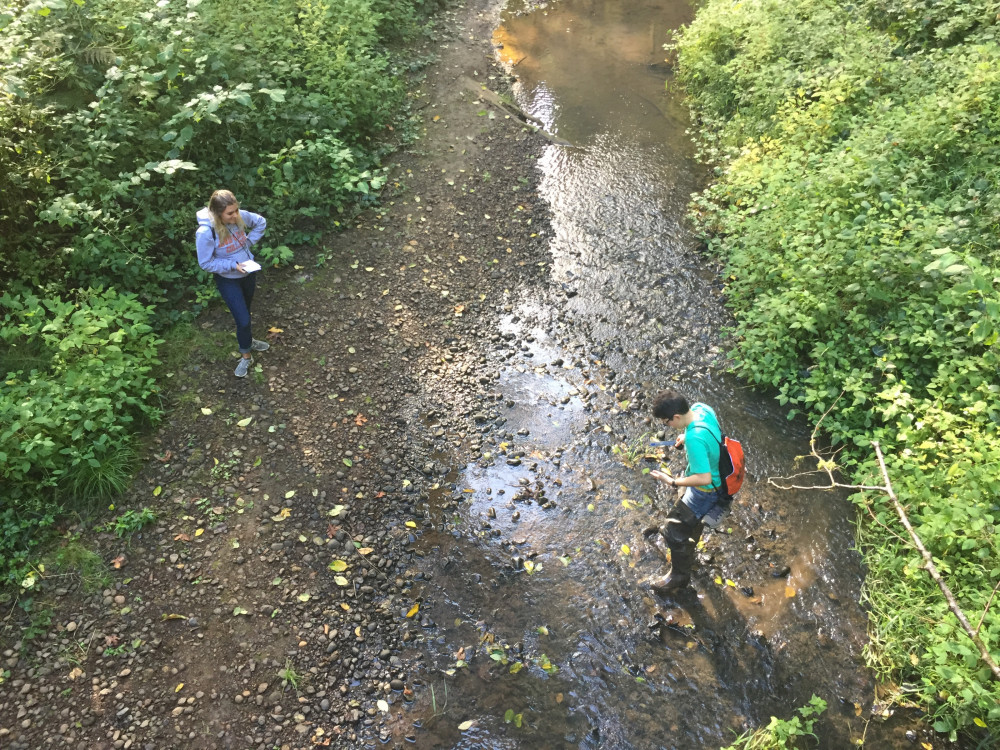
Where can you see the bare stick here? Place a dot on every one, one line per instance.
(828, 467)
(932, 569)
(987, 606)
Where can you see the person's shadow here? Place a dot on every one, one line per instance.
(744, 662)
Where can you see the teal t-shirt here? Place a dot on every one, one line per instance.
(701, 440)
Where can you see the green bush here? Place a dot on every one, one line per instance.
(124, 117)
(118, 118)
(77, 376)
(855, 204)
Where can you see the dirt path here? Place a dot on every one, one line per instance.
(268, 605)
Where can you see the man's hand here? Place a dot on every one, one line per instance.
(663, 477)
(679, 443)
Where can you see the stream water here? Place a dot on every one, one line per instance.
(543, 637)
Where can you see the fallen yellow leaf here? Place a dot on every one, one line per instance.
(199, 532)
(179, 686)
(413, 610)
(789, 592)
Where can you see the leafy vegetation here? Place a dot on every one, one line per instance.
(131, 521)
(783, 734)
(855, 204)
(117, 120)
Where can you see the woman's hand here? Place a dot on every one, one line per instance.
(240, 268)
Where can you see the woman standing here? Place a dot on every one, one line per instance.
(225, 237)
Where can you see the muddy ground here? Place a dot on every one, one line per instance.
(269, 604)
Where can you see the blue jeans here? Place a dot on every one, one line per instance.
(238, 294)
(700, 502)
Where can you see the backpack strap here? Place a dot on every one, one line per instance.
(721, 437)
(724, 497)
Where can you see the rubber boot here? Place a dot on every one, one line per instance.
(681, 561)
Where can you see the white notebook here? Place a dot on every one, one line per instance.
(250, 266)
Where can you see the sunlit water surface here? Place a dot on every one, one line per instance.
(631, 296)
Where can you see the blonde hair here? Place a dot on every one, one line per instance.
(219, 202)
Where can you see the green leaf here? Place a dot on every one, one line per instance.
(277, 95)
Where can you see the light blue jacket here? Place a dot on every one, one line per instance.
(221, 258)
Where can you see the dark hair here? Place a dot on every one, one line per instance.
(668, 404)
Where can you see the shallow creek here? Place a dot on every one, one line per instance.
(540, 555)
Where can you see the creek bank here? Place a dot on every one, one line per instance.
(268, 603)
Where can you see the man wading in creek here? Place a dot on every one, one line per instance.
(703, 502)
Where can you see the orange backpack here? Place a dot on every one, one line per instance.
(732, 467)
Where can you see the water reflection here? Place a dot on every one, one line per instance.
(539, 555)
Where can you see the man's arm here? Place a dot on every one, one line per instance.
(694, 480)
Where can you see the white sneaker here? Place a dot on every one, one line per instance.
(259, 346)
(243, 367)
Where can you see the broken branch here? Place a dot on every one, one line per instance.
(932, 569)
